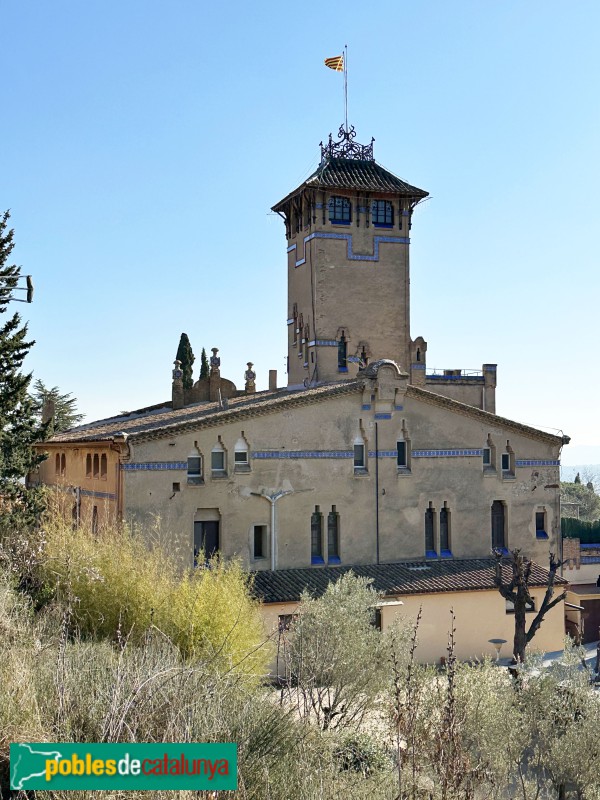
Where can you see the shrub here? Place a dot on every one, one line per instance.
(115, 586)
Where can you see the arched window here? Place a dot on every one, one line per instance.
(445, 549)
(57, 464)
(218, 463)
(241, 461)
(498, 525)
(316, 536)
(343, 353)
(88, 465)
(333, 536)
(194, 468)
(63, 464)
(340, 210)
(96, 465)
(103, 465)
(430, 550)
(360, 463)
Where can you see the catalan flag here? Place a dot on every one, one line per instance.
(336, 63)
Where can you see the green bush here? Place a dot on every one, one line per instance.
(116, 587)
(359, 752)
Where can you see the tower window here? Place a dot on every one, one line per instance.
(340, 211)
(96, 465)
(540, 524)
(342, 353)
(88, 465)
(382, 212)
(333, 536)
(487, 457)
(401, 455)
(316, 536)
(359, 457)
(103, 466)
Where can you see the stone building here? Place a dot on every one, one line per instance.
(363, 459)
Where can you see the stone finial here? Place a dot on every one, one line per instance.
(177, 392)
(215, 361)
(250, 378)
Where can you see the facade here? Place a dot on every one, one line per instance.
(363, 459)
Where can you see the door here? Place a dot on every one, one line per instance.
(206, 538)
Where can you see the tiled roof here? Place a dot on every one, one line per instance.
(362, 176)
(148, 423)
(402, 578)
(158, 421)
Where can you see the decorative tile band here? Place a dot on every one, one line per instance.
(383, 416)
(153, 465)
(325, 343)
(101, 495)
(398, 408)
(347, 237)
(538, 462)
(318, 205)
(446, 453)
(366, 407)
(384, 454)
(418, 365)
(285, 454)
(354, 359)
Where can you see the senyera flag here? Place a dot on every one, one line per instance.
(336, 63)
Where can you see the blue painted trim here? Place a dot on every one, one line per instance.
(590, 559)
(446, 453)
(584, 546)
(101, 495)
(326, 343)
(430, 554)
(537, 462)
(418, 365)
(383, 416)
(292, 454)
(316, 560)
(154, 465)
(346, 222)
(366, 407)
(342, 369)
(384, 454)
(334, 560)
(541, 535)
(347, 237)
(383, 224)
(446, 554)
(319, 205)
(398, 408)
(353, 359)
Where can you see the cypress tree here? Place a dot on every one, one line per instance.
(203, 365)
(19, 428)
(187, 358)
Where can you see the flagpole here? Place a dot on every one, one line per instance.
(346, 85)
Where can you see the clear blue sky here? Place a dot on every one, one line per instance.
(144, 142)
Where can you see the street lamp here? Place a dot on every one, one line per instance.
(273, 498)
(27, 288)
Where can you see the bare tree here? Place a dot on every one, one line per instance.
(517, 591)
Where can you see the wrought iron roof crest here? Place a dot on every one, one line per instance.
(346, 147)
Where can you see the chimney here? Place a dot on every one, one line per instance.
(272, 380)
(177, 393)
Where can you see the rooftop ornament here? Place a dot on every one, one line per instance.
(346, 147)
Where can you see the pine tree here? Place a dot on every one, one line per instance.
(65, 406)
(19, 428)
(187, 358)
(203, 365)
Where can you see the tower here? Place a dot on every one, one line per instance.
(347, 228)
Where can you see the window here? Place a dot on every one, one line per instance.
(505, 462)
(342, 353)
(176, 487)
(316, 536)
(382, 212)
(333, 536)
(498, 525)
(360, 464)
(401, 454)
(529, 606)
(218, 461)
(340, 211)
(240, 455)
(206, 540)
(96, 465)
(63, 464)
(57, 464)
(430, 551)
(487, 457)
(103, 466)
(445, 531)
(88, 465)
(194, 470)
(540, 524)
(259, 541)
